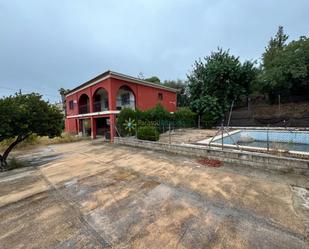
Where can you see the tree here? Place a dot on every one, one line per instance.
(182, 94)
(62, 93)
(23, 115)
(274, 47)
(272, 79)
(153, 79)
(248, 76)
(285, 67)
(296, 65)
(217, 81)
(208, 108)
(141, 76)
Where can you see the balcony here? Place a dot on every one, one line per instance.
(100, 106)
(83, 104)
(83, 109)
(125, 98)
(125, 103)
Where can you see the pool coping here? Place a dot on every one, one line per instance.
(268, 128)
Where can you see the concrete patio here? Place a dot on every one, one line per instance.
(81, 195)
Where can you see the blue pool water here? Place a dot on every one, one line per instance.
(285, 140)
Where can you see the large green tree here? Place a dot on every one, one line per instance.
(24, 114)
(285, 67)
(297, 65)
(272, 78)
(218, 80)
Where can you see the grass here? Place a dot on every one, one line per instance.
(35, 140)
(32, 141)
(14, 163)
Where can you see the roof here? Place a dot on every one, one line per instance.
(115, 75)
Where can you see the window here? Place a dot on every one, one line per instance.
(125, 99)
(160, 96)
(71, 105)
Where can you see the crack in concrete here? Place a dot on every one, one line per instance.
(88, 227)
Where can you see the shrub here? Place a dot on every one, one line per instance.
(64, 138)
(157, 113)
(184, 117)
(148, 133)
(13, 163)
(157, 117)
(34, 139)
(124, 116)
(208, 120)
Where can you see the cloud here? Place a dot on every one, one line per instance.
(46, 45)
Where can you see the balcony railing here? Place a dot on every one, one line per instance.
(83, 109)
(100, 106)
(122, 103)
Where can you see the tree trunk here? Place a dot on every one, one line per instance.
(3, 157)
(2, 164)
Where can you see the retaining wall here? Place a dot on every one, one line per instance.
(242, 158)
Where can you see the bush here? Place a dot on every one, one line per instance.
(13, 163)
(148, 133)
(34, 139)
(158, 113)
(184, 117)
(208, 121)
(124, 116)
(64, 138)
(157, 117)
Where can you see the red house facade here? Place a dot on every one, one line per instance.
(92, 107)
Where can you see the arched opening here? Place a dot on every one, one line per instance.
(100, 100)
(83, 104)
(125, 98)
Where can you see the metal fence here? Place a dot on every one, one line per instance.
(131, 126)
(282, 112)
(263, 139)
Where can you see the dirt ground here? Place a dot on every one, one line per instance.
(187, 135)
(82, 195)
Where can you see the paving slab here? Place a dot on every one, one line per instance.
(109, 196)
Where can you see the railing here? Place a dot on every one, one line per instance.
(83, 109)
(100, 106)
(122, 103)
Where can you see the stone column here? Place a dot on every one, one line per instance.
(93, 128)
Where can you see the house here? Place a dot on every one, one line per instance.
(92, 107)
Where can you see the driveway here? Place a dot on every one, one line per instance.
(81, 195)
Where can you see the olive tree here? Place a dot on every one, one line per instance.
(24, 114)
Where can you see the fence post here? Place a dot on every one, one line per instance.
(222, 134)
(267, 138)
(169, 133)
(279, 102)
(136, 127)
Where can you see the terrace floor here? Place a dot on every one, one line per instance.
(187, 135)
(82, 195)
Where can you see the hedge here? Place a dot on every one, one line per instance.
(158, 117)
(148, 133)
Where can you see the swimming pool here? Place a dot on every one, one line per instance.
(273, 139)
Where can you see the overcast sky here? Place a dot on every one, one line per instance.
(45, 45)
